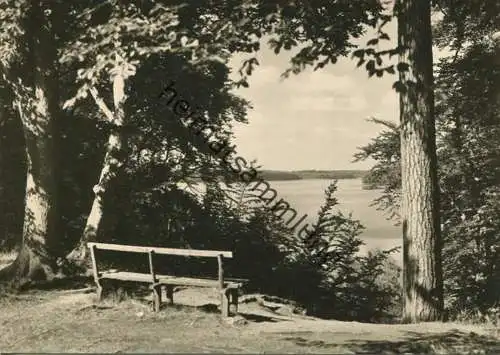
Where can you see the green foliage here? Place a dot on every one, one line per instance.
(336, 281)
(470, 171)
(386, 173)
(465, 22)
(106, 34)
(161, 141)
(11, 36)
(321, 32)
(253, 234)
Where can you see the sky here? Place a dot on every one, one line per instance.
(316, 119)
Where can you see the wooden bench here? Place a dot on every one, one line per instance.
(228, 288)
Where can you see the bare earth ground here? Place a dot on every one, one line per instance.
(66, 321)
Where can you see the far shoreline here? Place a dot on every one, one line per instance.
(281, 175)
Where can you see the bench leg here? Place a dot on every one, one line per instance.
(234, 301)
(99, 292)
(156, 297)
(225, 304)
(170, 294)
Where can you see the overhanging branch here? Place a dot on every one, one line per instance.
(101, 104)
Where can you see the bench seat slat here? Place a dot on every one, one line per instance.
(165, 279)
(158, 250)
(125, 276)
(187, 281)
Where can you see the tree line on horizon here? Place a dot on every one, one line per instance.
(276, 175)
(335, 174)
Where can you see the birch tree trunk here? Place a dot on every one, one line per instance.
(113, 159)
(38, 108)
(422, 269)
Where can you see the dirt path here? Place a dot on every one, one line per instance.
(61, 322)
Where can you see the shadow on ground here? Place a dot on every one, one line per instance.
(256, 318)
(215, 309)
(116, 296)
(452, 342)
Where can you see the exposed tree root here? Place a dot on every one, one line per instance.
(26, 270)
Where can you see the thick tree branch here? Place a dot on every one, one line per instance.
(101, 104)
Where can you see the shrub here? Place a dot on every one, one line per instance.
(335, 280)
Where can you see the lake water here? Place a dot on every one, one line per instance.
(306, 197)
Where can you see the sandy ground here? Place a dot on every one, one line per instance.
(65, 321)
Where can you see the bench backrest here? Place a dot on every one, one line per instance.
(158, 250)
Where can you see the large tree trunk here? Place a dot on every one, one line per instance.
(37, 105)
(113, 160)
(422, 270)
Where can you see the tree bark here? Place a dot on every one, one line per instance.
(113, 160)
(422, 269)
(37, 104)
